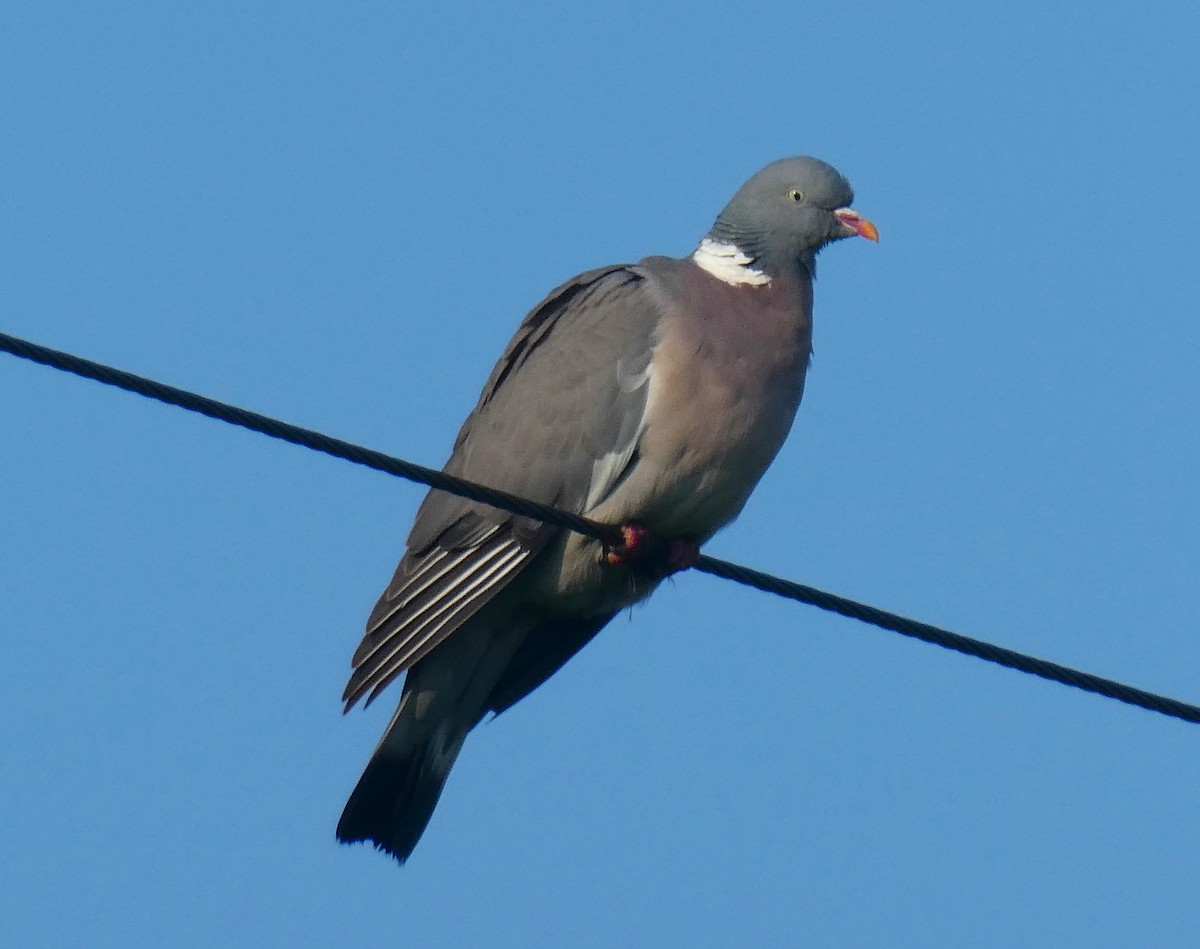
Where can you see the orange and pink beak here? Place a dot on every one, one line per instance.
(856, 224)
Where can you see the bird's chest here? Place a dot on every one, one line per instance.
(723, 394)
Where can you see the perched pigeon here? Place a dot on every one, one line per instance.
(652, 396)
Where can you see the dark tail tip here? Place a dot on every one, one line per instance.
(394, 799)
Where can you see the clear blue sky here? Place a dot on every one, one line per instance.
(337, 214)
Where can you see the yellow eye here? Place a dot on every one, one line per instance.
(795, 194)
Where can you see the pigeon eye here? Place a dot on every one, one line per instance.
(795, 194)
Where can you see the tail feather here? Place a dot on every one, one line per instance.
(443, 698)
(395, 798)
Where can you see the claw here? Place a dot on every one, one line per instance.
(641, 549)
(632, 548)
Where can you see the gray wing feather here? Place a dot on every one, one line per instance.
(558, 421)
(447, 589)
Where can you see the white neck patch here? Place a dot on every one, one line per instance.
(728, 264)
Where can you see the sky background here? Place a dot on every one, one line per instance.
(338, 213)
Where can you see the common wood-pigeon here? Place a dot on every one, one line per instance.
(651, 396)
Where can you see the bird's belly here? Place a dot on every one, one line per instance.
(693, 489)
(699, 483)
(708, 439)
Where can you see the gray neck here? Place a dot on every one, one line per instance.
(764, 253)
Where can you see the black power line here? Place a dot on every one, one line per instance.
(604, 532)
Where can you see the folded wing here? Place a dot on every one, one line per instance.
(558, 421)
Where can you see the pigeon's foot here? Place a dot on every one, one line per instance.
(641, 550)
(634, 547)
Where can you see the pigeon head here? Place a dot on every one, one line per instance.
(781, 218)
